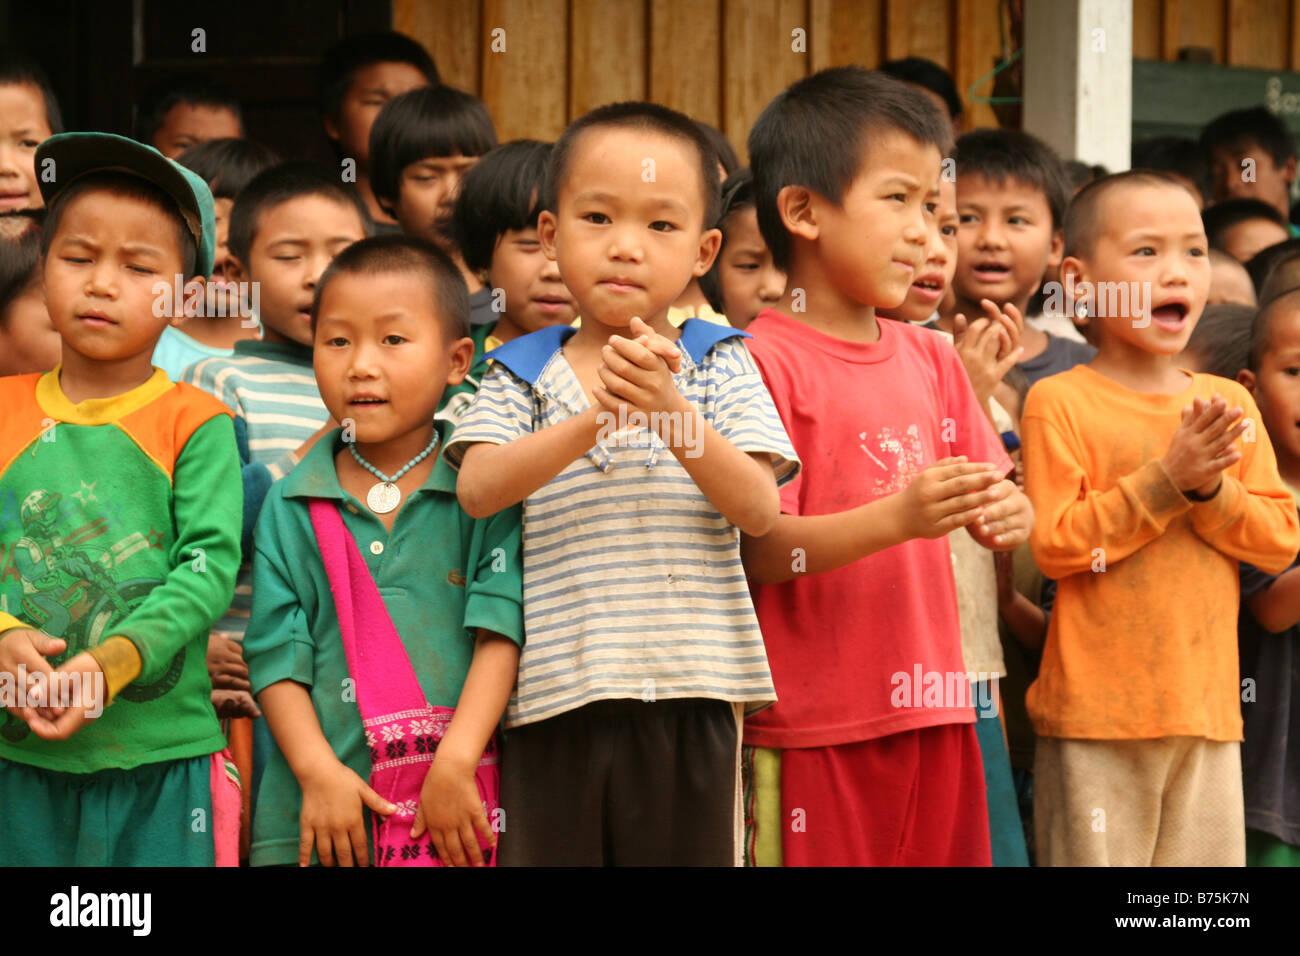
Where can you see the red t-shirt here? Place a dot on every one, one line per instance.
(872, 648)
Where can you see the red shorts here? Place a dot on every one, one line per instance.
(908, 799)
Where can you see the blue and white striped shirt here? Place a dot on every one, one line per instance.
(633, 584)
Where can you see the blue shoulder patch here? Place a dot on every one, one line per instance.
(698, 336)
(527, 355)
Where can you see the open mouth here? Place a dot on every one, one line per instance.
(367, 401)
(1171, 315)
(991, 271)
(929, 286)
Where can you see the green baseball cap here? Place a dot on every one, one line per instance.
(78, 154)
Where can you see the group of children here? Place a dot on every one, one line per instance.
(523, 508)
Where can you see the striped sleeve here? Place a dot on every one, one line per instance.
(501, 412)
(743, 410)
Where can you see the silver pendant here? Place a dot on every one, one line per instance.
(383, 497)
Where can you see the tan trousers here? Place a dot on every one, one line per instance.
(1172, 801)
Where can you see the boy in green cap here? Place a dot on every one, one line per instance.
(120, 508)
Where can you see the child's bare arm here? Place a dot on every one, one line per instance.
(450, 807)
(494, 477)
(1277, 607)
(945, 496)
(332, 795)
(1026, 621)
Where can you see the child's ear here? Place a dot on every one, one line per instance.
(795, 206)
(462, 355)
(235, 271)
(332, 127)
(710, 243)
(546, 232)
(1073, 276)
(1288, 171)
(195, 299)
(1057, 248)
(1247, 379)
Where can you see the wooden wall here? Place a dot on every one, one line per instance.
(717, 60)
(1258, 33)
(722, 60)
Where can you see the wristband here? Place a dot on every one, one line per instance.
(1193, 496)
(120, 661)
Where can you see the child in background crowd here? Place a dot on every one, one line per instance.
(1270, 617)
(743, 280)
(358, 75)
(421, 145)
(28, 340)
(29, 115)
(494, 226)
(1011, 203)
(223, 317)
(178, 112)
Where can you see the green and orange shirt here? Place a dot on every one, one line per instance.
(120, 517)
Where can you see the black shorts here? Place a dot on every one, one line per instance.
(622, 783)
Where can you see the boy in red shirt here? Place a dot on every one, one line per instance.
(879, 762)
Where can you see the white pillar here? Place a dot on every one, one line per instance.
(1078, 78)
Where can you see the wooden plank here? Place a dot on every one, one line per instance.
(1192, 23)
(1294, 35)
(525, 66)
(607, 51)
(977, 49)
(759, 59)
(449, 30)
(841, 32)
(919, 28)
(1258, 33)
(686, 57)
(1146, 29)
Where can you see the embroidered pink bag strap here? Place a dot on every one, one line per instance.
(402, 728)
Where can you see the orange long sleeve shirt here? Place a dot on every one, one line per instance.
(1143, 636)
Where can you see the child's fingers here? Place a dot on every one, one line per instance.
(418, 826)
(958, 519)
(1006, 364)
(440, 844)
(960, 479)
(635, 353)
(360, 850)
(483, 827)
(375, 802)
(1016, 316)
(618, 386)
(455, 849)
(469, 840)
(342, 841)
(324, 848)
(616, 362)
(305, 842)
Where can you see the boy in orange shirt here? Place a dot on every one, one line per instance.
(1149, 485)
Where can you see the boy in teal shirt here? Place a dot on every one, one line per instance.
(391, 332)
(119, 514)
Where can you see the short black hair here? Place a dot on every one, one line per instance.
(1078, 173)
(503, 191)
(277, 185)
(1222, 337)
(20, 253)
(228, 165)
(1180, 155)
(17, 69)
(420, 124)
(1083, 222)
(646, 117)
(341, 61)
(1222, 216)
(399, 253)
(813, 134)
(1254, 126)
(192, 89)
(1001, 154)
(1261, 263)
(123, 185)
(919, 71)
(1261, 330)
(722, 147)
(737, 194)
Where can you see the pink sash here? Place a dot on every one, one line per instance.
(402, 728)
